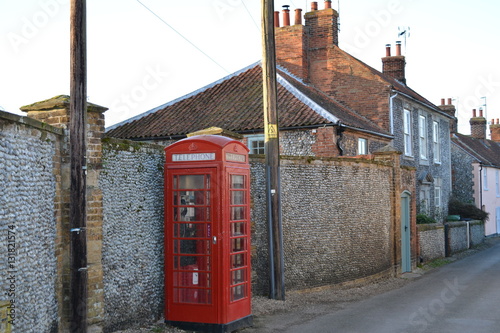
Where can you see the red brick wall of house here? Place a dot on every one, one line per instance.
(292, 53)
(326, 66)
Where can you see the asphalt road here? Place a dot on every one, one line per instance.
(463, 296)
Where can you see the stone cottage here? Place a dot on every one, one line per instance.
(476, 168)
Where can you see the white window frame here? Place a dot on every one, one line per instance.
(362, 146)
(436, 142)
(422, 136)
(485, 179)
(424, 201)
(497, 182)
(407, 132)
(255, 138)
(437, 196)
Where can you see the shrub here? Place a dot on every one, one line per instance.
(466, 210)
(424, 219)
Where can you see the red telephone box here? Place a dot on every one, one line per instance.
(207, 234)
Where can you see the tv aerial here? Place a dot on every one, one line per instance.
(403, 33)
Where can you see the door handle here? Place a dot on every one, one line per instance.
(214, 240)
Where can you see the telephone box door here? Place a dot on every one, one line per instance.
(191, 244)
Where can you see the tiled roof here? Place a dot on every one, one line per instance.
(235, 103)
(485, 151)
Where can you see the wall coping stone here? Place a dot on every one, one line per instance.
(460, 224)
(31, 122)
(430, 226)
(59, 102)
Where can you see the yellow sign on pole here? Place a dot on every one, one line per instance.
(272, 131)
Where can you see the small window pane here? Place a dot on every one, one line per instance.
(238, 276)
(238, 229)
(237, 213)
(238, 244)
(237, 197)
(238, 260)
(238, 292)
(237, 181)
(192, 182)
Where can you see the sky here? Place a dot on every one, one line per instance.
(145, 53)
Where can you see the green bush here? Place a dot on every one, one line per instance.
(466, 210)
(424, 219)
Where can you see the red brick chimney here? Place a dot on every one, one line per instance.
(394, 66)
(298, 44)
(291, 45)
(451, 110)
(495, 130)
(478, 125)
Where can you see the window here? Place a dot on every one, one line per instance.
(407, 132)
(362, 146)
(436, 142)
(497, 182)
(424, 200)
(422, 136)
(485, 179)
(256, 144)
(437, 196)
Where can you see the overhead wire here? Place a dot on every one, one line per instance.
(250, 14)
(183, 37)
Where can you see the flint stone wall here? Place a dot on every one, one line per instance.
(431, 241)
(456, 235)
(132, 185)
(336, 221)
(28, 156)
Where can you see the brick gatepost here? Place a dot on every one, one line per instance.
(55, 112)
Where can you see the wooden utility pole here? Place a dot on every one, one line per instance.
(78, 151)
(272, 152)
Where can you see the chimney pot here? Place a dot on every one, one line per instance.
(314, 6)
(398, 48)
(449, 101)
(493, 121)
(387, 50)
(277, 19)
(474, 115)
(328, 4)
(298, 16)
(286, 16)
(498, 122)
(442, 101)
(481, 113)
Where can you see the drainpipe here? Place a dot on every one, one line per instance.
(468, 235)
(481, 185)
(340, 130)
(391, 112)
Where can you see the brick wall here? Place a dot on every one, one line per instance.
(55, 111)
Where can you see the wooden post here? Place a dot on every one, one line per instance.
(272, 151)
(78, 150)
